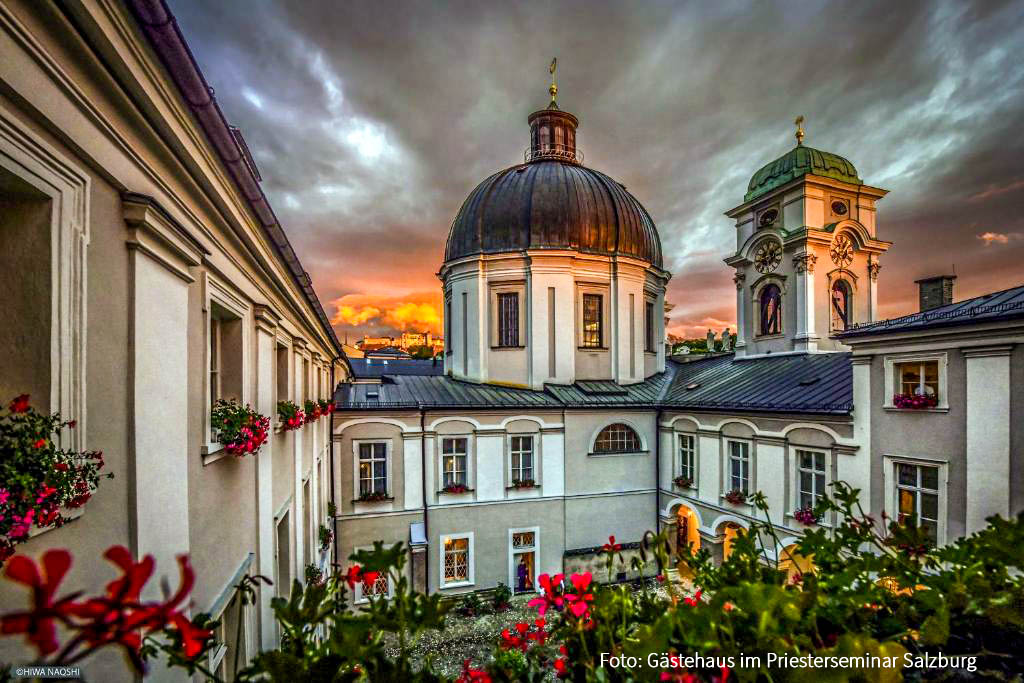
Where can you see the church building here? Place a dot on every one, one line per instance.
(558, 420)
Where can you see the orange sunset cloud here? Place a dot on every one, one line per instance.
(419, 311)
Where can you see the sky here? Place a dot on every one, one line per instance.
(372, 121)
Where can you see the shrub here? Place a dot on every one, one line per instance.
(502, 597)
(683, 482)
(470, 605)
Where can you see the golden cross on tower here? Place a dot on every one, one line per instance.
(554, 88)
(799, 130)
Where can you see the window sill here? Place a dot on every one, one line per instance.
(458, 584)
(744, 503)
(592, 348)
(442, 492)
(212, 452)
(359, 501)
(793, 523)
(508, 348)
(522, 488)
(768, 337)
(617, 455)
(691, 487)
(937, 409)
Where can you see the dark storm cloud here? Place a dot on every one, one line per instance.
(372, 121)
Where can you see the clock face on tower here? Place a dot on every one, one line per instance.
(841, 251)
(768, 256)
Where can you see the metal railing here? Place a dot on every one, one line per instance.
(927, 316)
(550, 151)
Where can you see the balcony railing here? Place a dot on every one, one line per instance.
(560, 152)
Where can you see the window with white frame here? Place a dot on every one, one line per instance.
(618, 438)
(811, 477)
(917, 493)
(216, 327)
(373, 468)
(457, 560)
(225, 361)
(739, 466)
(521, 451)
(380, 587)
(454, 461)
(688, 457)
(916, 382)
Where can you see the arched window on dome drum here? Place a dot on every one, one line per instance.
(771, 310)
(841, 305)
(618, 438)
(545, 138)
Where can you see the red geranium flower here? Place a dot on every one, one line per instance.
(694, 601)
(19, 404)
(38, 624)
(471, 675)
(579, 599)
(551, 596)
(353, 576)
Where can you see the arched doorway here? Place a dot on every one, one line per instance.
(793, 563)
(729, 531)
(687, 532)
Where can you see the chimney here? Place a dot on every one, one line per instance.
(935, 291)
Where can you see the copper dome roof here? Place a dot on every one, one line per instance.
(553, 202)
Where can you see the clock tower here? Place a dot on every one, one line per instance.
(807, 254)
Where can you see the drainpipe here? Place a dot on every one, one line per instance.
(423, 483)
(330, 464)
(657, 471)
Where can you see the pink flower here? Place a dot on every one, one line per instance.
(578, 600)
(551, 596)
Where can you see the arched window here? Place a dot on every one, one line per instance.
(841, 303)
(618, 438)
(771, 310)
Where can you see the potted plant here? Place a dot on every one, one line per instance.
(683, 482)
(326, 538)
(736, 496)
(314, 575)
(37, 478)
(290, 416)
(501, 599)
(805, 515)
(372, 496)
(313, 411)
(456, 488)
(914, 401)
(240, 428)
(523, 484)
(326, 407)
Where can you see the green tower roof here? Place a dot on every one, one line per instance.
(798, 162)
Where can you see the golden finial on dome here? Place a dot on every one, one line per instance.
(554, 88)
(799, 130)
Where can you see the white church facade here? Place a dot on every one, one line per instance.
(559, 420)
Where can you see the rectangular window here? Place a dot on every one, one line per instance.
(522, 458)
(508, 319)
(373, 469)
(739, 466)
(917, 490)
(592, 321)
(456, 560)
(380, 588)
(453, 462)
(810, 478)
(687, 457)
(649, 327)
(918, 378)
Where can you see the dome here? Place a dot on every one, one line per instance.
(797, 162)
(553, 202)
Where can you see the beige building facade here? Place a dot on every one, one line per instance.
(150, 278)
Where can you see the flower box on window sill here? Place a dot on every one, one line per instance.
(806, 516)
(914, 402)
(518, 484)
(456, 489)
(736, 497)
(373, 498)
(683, 482)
